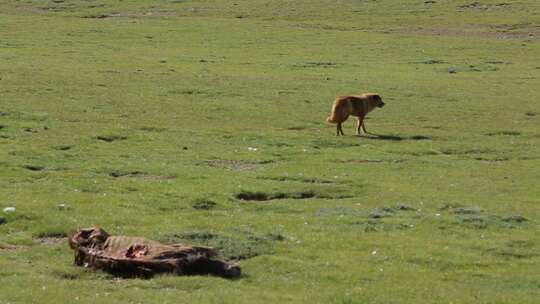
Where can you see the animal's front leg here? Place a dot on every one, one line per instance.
(339, 129)
(360, 124)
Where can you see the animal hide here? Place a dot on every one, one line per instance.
(133, 256)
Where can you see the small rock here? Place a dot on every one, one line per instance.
(9, 209)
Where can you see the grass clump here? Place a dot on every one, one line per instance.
(204, 204)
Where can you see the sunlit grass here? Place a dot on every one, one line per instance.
(204, 122)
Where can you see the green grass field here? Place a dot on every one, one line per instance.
(162, 119)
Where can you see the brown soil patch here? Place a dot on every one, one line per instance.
(51, 241)
(6, 247)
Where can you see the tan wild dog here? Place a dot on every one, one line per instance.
(355, 105)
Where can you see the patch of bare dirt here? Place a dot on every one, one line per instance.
(235, 165)
(51, 241)
(61, 6)
(140, 174)
(503, 34)
(366, 161)
(358, 161)
(299, 179)
(157, 13)
(110, 138)
(6, 247)
(101, 15)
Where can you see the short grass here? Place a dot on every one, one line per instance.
(204, 122)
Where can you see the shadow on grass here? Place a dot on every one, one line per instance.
(394, 137)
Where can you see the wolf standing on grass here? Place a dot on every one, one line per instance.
(355, 105)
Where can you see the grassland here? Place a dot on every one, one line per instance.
(165, 118)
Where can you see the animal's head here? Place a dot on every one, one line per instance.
(378, 100)
(88, 237)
